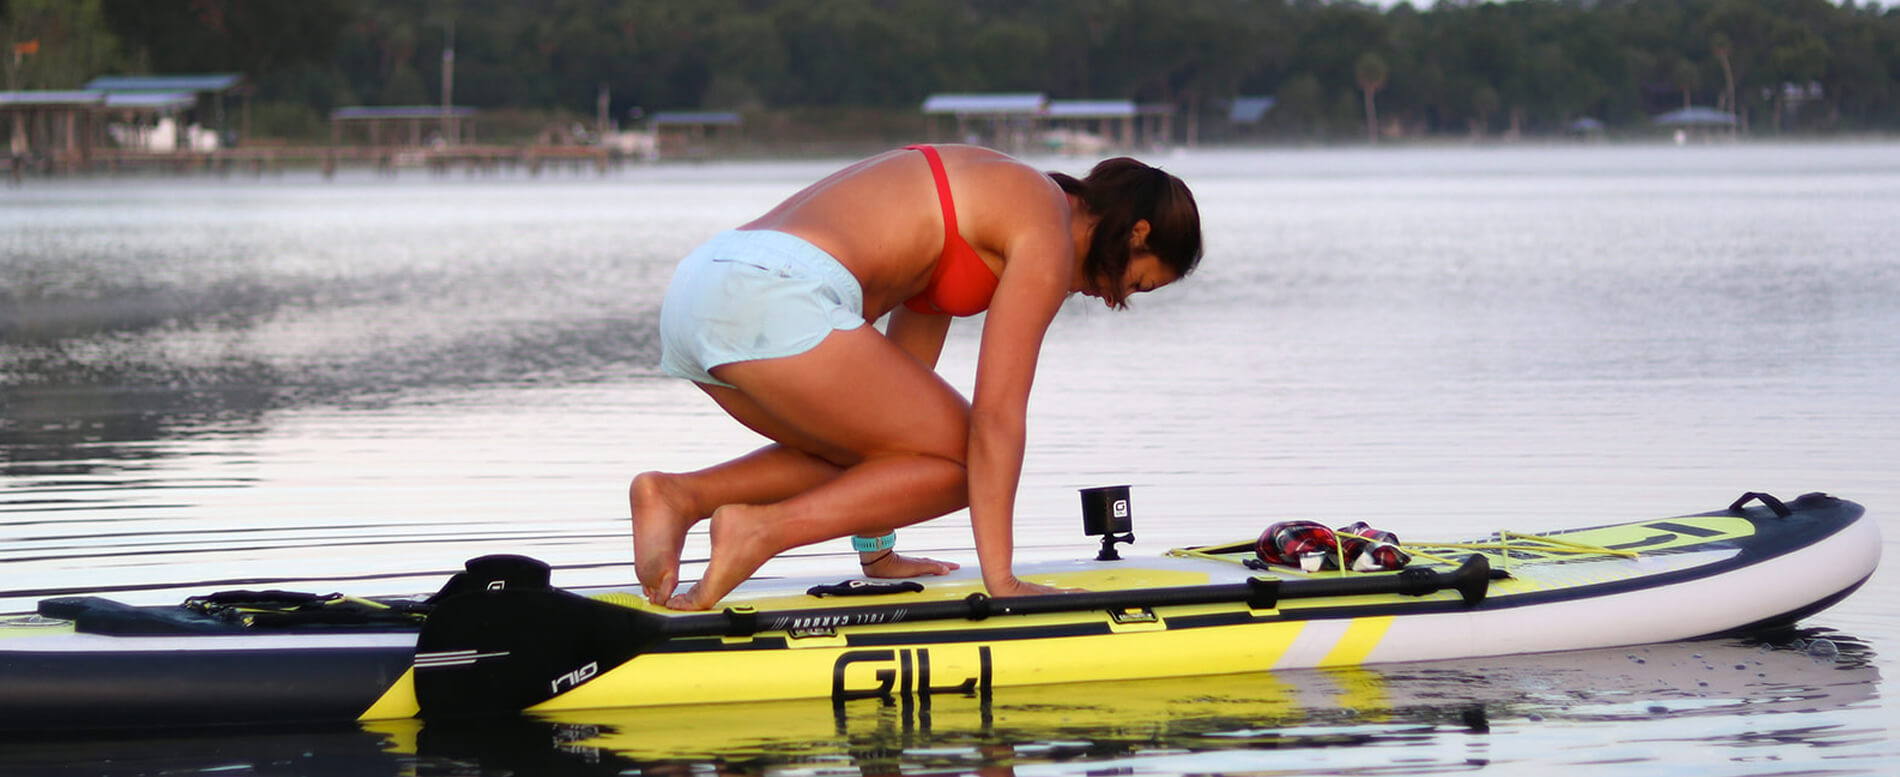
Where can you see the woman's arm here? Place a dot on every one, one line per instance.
(1038, 262)
(919, 334)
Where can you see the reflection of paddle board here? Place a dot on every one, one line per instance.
(1717, 677)
(1723, 572)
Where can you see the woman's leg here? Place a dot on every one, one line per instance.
(858, 393)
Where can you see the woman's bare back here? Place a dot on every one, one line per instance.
(882, 220)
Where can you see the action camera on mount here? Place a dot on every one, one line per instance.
(1106, 514)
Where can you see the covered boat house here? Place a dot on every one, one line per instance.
(691, 133)
(1019, 121)
(1002, 120)
(69, 130)
(398, 125)
(186, 100)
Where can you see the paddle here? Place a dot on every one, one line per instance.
(1471, 581)
(499, 649)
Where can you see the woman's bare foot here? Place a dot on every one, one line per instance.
(659, 534)
(741, 543)
(894, 565)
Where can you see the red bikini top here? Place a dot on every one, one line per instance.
(961, 284)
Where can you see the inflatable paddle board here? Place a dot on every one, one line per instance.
(500, 640)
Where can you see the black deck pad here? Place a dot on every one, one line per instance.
(862, 587)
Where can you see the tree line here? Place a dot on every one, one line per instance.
(1533, 66)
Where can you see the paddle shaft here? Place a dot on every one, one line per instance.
(1470, 579)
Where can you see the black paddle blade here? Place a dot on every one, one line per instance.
(486, 653)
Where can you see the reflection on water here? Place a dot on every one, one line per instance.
(1725, 699)
(136, 328)
(189, 375)
(1433, 716)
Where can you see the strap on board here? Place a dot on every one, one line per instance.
(1780, 510)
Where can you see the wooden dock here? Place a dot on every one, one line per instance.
(473, 160)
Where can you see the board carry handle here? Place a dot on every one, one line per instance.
(491, 652)
(1780, 510)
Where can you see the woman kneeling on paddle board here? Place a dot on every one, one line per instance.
(771, 320)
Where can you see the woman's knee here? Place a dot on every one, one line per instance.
(950, 443)
(645, 488)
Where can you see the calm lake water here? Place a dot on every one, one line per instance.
(355, 385)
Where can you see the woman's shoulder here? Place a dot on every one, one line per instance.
(959, 154)
(997, 175)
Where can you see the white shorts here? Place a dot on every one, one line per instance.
(753, 294)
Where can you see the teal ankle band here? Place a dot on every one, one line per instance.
(874, 544)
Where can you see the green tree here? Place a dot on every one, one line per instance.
(1859, 85)
(749, 61)
(1450, 67)
(1722, 47)
(1798, 62)
(1484, 102)
(1371, 73)
(1686, 78)
(993, 56)
(1302, 108)
(1749, 29)
(55, 44)
(198, 36)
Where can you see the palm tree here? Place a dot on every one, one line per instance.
(1371, 73)
(1686, 78)
(1722, 47)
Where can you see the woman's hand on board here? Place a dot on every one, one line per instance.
(1014, 586)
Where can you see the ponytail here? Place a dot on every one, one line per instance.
(1122, 191)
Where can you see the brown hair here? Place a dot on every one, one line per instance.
(1123, 191)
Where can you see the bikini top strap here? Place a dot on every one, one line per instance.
(943, 191)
